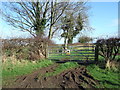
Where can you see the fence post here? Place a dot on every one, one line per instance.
(96, 53)
(46, 50)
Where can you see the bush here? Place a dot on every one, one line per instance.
(108, 48)
(29, 48)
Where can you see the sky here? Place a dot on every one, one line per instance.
(103, 18)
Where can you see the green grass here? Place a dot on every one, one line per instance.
(21, 68)
(12, 68)
(107, 79)
(102, 58)
(74, 55)
(77, 53)
(61, 68)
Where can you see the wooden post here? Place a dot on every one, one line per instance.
(46, 50)
(96, 53)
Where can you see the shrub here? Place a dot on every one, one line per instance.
(108, 48)
(29, 48)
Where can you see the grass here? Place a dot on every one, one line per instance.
(77, 53)
(61, 68)
(74, 55)
(102, 58)
(107, 79)
(13, 68)
(18, 68)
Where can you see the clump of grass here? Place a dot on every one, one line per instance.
(62, 67)
(107, 79)
(24, 67)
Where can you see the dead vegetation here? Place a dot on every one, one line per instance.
(30, 48)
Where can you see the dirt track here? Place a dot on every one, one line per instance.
(72, 78)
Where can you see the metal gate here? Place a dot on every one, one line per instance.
(74, 53)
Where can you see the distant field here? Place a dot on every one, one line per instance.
(76, 53)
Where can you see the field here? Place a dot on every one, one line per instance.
(76, 53)
(14, 72)
(47, 73)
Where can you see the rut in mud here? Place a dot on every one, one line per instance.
(72, 78)
(77, 78)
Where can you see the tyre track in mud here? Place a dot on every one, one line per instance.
(32, 80)
(71, 78)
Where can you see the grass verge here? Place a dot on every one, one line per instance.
(107, 79)
(24, 67)
(12, 69)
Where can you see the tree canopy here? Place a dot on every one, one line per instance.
(84, 39)
(39, 17)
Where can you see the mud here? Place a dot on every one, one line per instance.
(72, 78)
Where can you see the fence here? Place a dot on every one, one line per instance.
(77, 52)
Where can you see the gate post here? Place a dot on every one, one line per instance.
(46, 50)
(96, 53)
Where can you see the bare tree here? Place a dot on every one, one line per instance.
(27, 16)
(36, 17)
(57, 10)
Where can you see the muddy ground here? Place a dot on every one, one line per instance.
(72, 78)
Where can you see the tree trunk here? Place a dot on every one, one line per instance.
(51, 22)
(65, 43)
(108, 64)
(70, 40)
(50, 33)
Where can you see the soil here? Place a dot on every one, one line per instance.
(72, 78)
